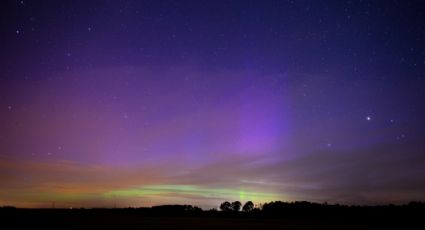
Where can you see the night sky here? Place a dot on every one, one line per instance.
(140, 103)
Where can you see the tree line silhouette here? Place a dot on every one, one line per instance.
(295, 212)
(274, 208)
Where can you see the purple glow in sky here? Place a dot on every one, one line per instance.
(139, 103)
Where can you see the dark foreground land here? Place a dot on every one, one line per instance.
(179, 217)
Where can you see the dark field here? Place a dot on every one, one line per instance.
(340, 218)
(134, 222)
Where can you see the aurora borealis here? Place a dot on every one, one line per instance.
(139, 103)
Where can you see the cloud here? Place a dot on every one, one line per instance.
(65, 181)
(373, 175)
(377, 174)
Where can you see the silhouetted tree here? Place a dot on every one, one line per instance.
(226, 206)
(248, 206)
(236, 206)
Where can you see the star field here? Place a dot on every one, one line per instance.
(138, 103)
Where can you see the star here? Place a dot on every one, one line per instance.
(9, 107)
(89, 28)
(17, 32)
(368, 118)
